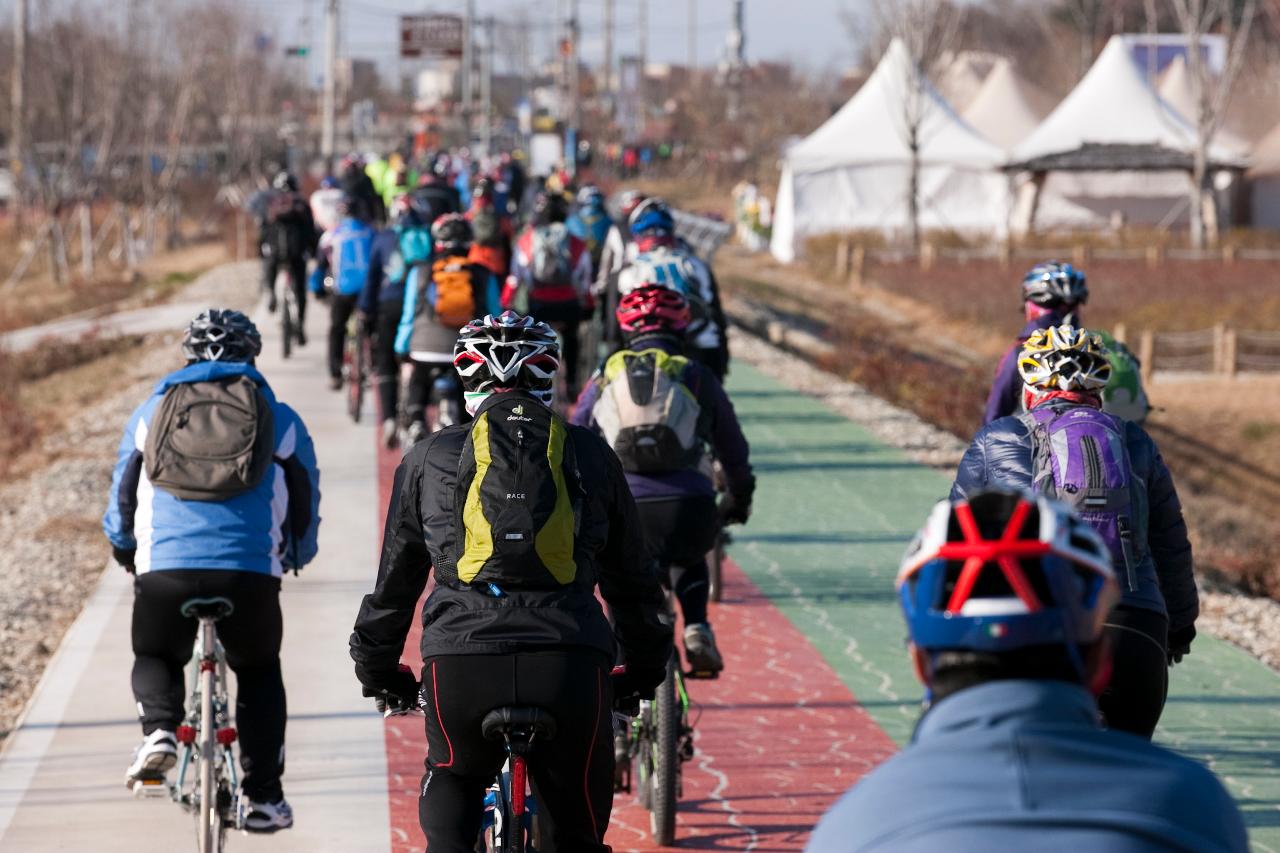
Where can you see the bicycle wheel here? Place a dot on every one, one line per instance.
(355, 376)
(666, 760)
(287, 320)
(208, 819)
(715, 564)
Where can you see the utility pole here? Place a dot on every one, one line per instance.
(642, 26)
(486, 88)
(329, 107)
(468, 58)
(18, 101)
(693, 36)
(608, 50)
(736, 62)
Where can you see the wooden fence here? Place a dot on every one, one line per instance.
(1221, 350)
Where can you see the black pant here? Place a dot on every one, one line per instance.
(425, 373)
(679, 532)
(716, 359)
(162, 646)
(298, 271)
(341, 307)
(386, 364)
(572, 775)
(564, 318)
(1134, 700)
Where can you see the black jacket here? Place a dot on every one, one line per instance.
(460, 620)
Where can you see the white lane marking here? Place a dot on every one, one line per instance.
(26, 747)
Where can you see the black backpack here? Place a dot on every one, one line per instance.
(518, 502)
(210, 441)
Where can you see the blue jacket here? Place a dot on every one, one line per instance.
(1006, 391)
(346, 250)
(1002, 454)
(1024, 766)
(385, 282)
(265, 530)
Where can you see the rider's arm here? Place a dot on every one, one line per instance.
(726, 436)
(387, 612)
(408, 312)
(971, 476)
(122, 502)
(368, 302)
(1003, 399)
(296, 454)
(1167, 538)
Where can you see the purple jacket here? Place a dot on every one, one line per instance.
(724, 435)
(1006, 392)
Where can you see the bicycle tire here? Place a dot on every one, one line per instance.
(208, 821)
(715, 568)
(355, 378)
(666, 760)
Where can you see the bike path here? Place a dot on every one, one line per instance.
(834, 510)
(62, 771)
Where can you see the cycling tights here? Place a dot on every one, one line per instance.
(386, 364)
(1134, 699)
(572, 774)
(162, 644)
(425, 374)
(298, 271)
(340, 309)
(680, 531)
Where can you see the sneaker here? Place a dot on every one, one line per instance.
(390, 433)
(267, 817)
(153, 757)
(335, 383)
(301, 333)
(415, 433)
(700, 651)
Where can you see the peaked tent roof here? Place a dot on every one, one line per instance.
(964, 75)
(1007, 108)
(1175, 87)
(870, 127)
(1114, 105)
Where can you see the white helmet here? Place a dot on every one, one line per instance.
(1064, 358)
(508, 352)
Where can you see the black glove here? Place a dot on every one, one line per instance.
(397, 690)
(734, 510)
(1180, 643)
(125, 557)
(632, 683)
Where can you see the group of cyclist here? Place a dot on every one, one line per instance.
(1045, 599)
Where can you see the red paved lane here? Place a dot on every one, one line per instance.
(779, 736)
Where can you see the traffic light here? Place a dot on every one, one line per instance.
(297, 50)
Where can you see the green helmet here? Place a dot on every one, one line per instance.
(1123, 395)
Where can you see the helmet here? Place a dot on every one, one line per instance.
(1064, 358)
(328, 182)
(483, 188)
(629, 201)
(283, 181)
(220, 334)
(590, 196)
(1052, 284)
(507, 352)
(549, 207)
(653, 309)
(1005, 570)
(452, 232)
(651, 216)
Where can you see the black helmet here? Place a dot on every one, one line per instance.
(284, 181)
(452, 233)
(221, 334)
(549, 207)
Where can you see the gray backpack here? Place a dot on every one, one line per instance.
(210, 441)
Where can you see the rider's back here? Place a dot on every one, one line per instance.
(1023, 765)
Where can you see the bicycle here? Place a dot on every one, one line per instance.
(356, 359)
(206, 737)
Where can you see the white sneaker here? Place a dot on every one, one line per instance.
(390, 433)
(267, 817)
(154, 756)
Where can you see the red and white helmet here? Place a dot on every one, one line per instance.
(507, 352)
(653, 309)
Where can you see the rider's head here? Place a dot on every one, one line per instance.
(221, 334)
(506, 353)
(451, 234)
(628, 201)
(1005, 585)
(652, 224)
(590, 197)
(549, 207)
(653, 311)
(1063, 361)
(1054, 287)
(403, 213)
(285, 182)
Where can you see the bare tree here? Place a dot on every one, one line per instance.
(1197, 18)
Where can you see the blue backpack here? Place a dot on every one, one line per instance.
(350, 257)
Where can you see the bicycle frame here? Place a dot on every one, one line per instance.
(508, 804)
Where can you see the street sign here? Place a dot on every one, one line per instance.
(436, 35)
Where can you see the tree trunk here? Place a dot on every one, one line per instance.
(1201, 194)
(913, 192)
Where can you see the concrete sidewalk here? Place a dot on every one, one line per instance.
(61, 775)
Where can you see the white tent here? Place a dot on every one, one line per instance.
(963, 75)
(1113, 111)
(1175, 88)
(1007, 108)
(1264, 182)
(853, 171)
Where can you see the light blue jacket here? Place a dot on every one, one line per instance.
(265, 530)
(1025, 766)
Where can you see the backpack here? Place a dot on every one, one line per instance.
(485, 227)
(350, 253)
(415, 245)
(647, 414)
(1124, 395)
(549, 259)
(1081, 458)
(518, 502)
(210, 441)
(454, 302)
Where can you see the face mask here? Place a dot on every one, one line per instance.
(473, 399)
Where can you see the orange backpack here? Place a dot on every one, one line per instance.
(455, 303)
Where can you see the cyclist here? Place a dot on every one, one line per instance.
(491, 228)
(1004, 597)
(344, 258)
(214, 523)
(590, 222)
(290, 235)
(513, 618)
(551, 277)
(439, 300)
(434, 196)
(1052, 293)
(662, 259)
(616, 253)
(357, 186)
(1111, 471)
(662, 413)
(327, 205)
(395, 252)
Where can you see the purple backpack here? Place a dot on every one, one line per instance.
(1082, 460)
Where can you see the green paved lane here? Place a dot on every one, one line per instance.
(834, 511)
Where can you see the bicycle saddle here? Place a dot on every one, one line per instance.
(518, 724)
(207, 608)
